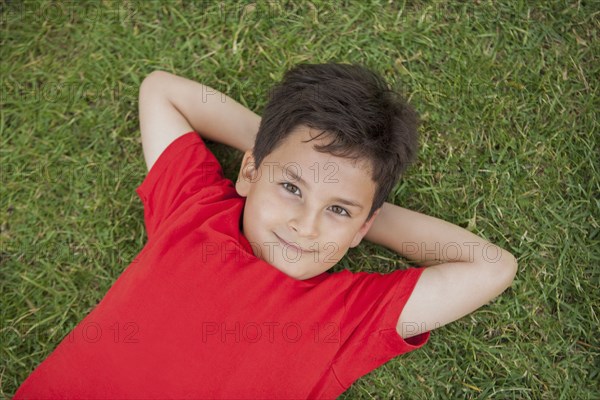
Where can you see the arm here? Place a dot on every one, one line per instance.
(171, 106)
(465, 271)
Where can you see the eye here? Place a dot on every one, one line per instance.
(291, 188)
(341, 211)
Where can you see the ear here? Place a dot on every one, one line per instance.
(248, 174)
(364, 229)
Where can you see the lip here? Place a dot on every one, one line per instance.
(292, 245)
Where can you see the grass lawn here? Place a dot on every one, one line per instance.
(509, 150)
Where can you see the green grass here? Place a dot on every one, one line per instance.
(509, 149)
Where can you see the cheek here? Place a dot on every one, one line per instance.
(342, 232)
(265, 208)
(337, 239)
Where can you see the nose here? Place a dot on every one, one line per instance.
(305, 224)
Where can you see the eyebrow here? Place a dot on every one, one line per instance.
(287, 172)
(347, 202)
(290, 173)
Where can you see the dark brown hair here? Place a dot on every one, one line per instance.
(365, 119)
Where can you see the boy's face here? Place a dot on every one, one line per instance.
(304, 226)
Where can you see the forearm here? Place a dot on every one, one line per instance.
(214, 115)
(428, 240)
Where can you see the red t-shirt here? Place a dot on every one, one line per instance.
(197, 315)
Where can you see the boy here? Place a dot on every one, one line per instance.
(230, 297)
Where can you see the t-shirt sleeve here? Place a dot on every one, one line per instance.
(184, 168)
(369, 338)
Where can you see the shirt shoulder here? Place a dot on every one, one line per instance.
(185, 171)
(373, 303)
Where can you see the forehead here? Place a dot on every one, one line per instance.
(297, 155)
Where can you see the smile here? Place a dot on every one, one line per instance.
(283, 242)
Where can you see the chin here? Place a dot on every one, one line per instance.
(293, 271)
(289, 271)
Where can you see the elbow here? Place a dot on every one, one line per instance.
(509, 266)
(152, 80)
(155, 75)
(154, 85)
(502, 269)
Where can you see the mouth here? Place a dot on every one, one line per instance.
(285, 243)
